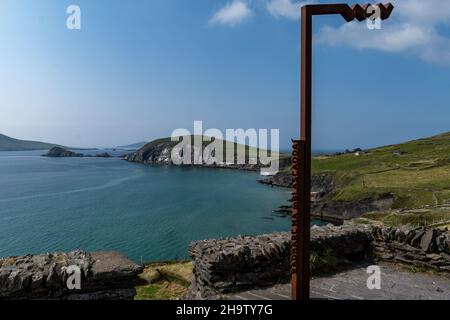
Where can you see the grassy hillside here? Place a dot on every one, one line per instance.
(416, 172)
(435, 216)
(250, 152)
(11, 144)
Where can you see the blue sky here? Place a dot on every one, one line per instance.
(139, 69)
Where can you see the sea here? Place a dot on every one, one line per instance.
(147, 213)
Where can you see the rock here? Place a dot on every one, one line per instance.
(327, 208)
(400, 236)
(399, 152)
(103, 155)
(113, 265)
(415, 242)
(103, 275)
(425, 265)
(410, 234)
(434, 256)
(281, 179)
(447, 245)
(441, 244)
(427, 241)
(58, 152)
(387, 256)
(403, 259)
(445, 256)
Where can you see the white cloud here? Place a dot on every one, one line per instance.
(425, 12)
(284, 8)
(412, 29)
(232, 14)
(401, 37)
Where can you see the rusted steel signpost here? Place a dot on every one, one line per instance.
(301, 149)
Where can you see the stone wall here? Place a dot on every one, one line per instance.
(223, 266)
(428, 248)
(104, 275)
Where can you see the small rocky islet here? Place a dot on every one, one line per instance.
(59, 152)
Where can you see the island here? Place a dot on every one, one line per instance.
(58, 152)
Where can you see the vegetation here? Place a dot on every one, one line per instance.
(164, 281)
(170, 280)
(250, 152)
(417, 173)
(322, 262)
(438, 216)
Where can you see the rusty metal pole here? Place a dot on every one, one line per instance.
(300, 290)
(301, 150)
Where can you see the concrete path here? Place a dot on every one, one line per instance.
(352, 285)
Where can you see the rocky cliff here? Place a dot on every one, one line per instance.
(323, 206)
(159, 152)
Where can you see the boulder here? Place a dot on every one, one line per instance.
(427, 243)
(415, 242)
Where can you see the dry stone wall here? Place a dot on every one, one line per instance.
(427, 248)
(223, 266)
(104, 275)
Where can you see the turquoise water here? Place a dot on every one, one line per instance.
(148, 213)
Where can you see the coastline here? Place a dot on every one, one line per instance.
(109, 204)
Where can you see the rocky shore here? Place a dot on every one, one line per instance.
(323, 206)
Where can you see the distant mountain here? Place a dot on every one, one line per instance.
(134, 146)
(11, 144)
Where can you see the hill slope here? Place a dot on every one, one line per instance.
(417, 173)
(159, 152)
(133, 146)
(11, 144)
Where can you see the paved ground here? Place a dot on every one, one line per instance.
(351, 285)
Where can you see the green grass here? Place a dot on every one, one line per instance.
(412, 218)
(362, 221)
(417, 178)
(170, 280)
(164, 281)
(322, 262)
(443, 197)
(248, 151)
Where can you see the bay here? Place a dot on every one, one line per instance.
(148, 213)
